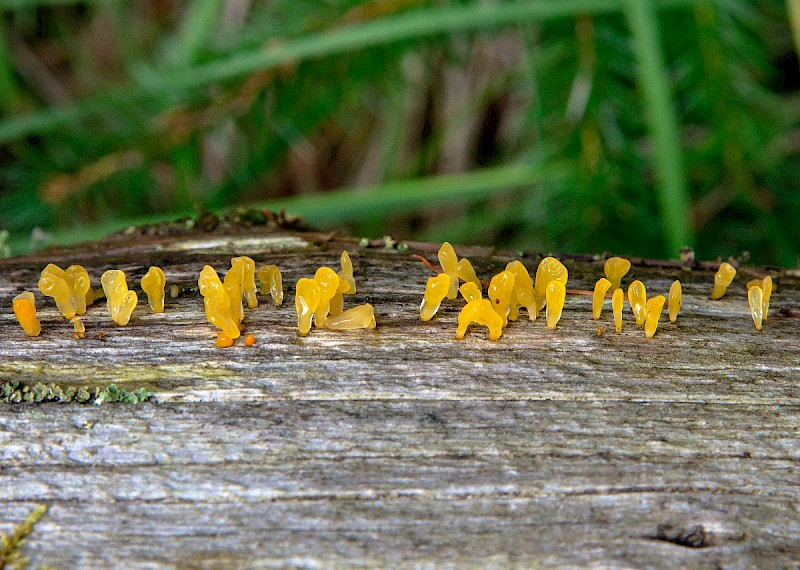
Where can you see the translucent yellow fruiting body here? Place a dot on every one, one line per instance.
(467, 273)
(617, 301)
(755, 296)
(361, 317)
(599, 296)
(655, 307)
(217, 302)
(449, 262)
(436, 290)
(766, 288)
(77, 279)
(53, 283)
(234, 286)
(722, 279)
(24, 306)
(523, 295)
(501, 287)
(174, 291)
(346, 273)
(328, 283)
(615, 269)
(675, 300)
(555, 295)
(637, 297)
(153, 284)
(121, 302)
(271, 281)
(470, 291)
(306, 302)
(480, 312)
(550, 269)
(248, 280)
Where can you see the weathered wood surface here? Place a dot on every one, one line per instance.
(402, 446)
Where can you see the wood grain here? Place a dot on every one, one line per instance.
(402, 447)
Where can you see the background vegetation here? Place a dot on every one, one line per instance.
(633, 126)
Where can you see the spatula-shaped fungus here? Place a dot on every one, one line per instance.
(217, 302)
(449, 262)
(522, 295)
(271, 281)
(550, 269)
(617, 301)
(361, 317)
(467, 273)
(500, 290)
(120, 300)
(555, 296)
(637, 297)
(615, 269)
(78, 281)
(24, 306)
(470, 291)
(153, 284)
(248, 280)
(654, 308)
(306, 302)
(755, 297)
(722, 279)
(328, 283)
(346, 273)
(436, 290)
(675, 300)
(53, 283)
(599, 296)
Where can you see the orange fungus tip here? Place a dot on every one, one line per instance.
(249, 340)
(224, 341)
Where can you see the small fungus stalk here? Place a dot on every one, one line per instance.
(24, 306)
(271, 282)
(153, 284)
(755, 296)
(637, 297)
(675, 300)
(523, 294)
(306, 302)
(617, 301)
(361, 317)
(766, 287)
(449, 262)
(328, 282)
(550, 269)
(500, 290)
(722, 279)
(598, 297)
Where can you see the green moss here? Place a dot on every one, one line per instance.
(10, 556)
(15, 392)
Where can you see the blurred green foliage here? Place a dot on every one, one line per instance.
(631, 126)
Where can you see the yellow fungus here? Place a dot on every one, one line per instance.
(120, 300)
(501, 287)
(346, 273)
(523, 295)
(174, 291)
(675, 300)
(599, 296)
(306, 301)
(615, 269)
(654, 308)
(436, 290)
(637, 297)
(249, 340)
(224, 341)
(328, 282)
(555, 296)
(449, 262)
(77, 279)
(470, 291)
(53, 283)
(361, 317)
(467, 273)
(80, 329)
(617, 300)
(217, 302)
(550, 269)
(234, 286)
(248, 280)
(153, 284)
(24, 306)
(481, 312)
(722, 279)
(755, 296)
(271, 281)
(767, 293)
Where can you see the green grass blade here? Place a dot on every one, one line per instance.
(659, 110)
(404, 26)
